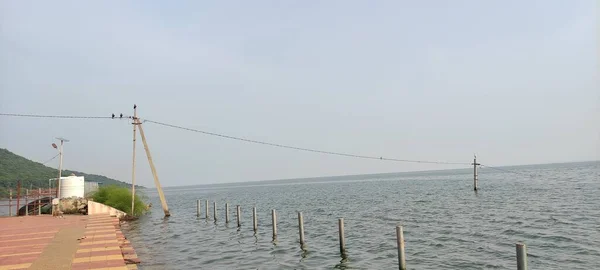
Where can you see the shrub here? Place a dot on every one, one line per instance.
(119, 198)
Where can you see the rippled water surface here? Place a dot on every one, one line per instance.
(447, 225)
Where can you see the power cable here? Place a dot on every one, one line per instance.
(58, 116)
(121, 116)
(301, 148)
(50, 159)
(503, 170)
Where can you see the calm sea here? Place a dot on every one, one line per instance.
(554, 209)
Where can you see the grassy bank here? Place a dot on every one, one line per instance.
(120, 198)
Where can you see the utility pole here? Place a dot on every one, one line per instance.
(475, 164)
(133, 162)
(60, 153)
(163, 201)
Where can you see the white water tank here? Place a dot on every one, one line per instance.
(72, 186)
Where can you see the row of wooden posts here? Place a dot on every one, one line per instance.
(521, 248)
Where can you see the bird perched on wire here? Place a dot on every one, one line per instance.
(121, 116)
(113, 116)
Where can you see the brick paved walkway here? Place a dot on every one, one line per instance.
(72, 242)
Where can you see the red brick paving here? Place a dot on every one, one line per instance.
(97, 253)
(23, 235)
(23, 240)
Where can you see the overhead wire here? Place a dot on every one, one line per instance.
(52, 158)
(59, 116)
(503, 170)
(301, 148)
(252, 141)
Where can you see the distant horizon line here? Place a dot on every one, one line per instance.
(322, 176)
(373, 174)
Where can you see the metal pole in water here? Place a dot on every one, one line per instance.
(274, 221)
(301, 230)
(475, 180)
(206, 209)
(197, 207)
(226, 212)
(254, 219)
(401, 255)
(239, 218)
(521, 256)
(215, 211)
(342, 239)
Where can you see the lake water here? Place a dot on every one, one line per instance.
(554, 209)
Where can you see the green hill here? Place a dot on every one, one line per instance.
(35, 175)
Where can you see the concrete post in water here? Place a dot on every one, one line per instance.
(26, 202)
(342, 239)
(206, 209)
(215, 211)
(226, 212)
(197, 207)
(254, 219)
(401, 255)
(239, 213)
(301, 230)
(39, 201)
(161, 194)
(521, 256)
(274, 222)
(475, 180)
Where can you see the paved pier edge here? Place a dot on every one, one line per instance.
(73, 242)
(104, 246)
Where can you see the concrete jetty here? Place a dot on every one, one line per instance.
(70, 242)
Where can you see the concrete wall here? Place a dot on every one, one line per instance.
(95, 208)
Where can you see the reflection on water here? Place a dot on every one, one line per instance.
(446, 224)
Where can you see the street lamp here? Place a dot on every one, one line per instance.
(60, 152)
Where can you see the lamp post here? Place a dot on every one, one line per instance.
(60, 153)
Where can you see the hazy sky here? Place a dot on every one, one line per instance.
(514, 81)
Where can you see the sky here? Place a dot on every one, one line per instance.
(515, 82)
